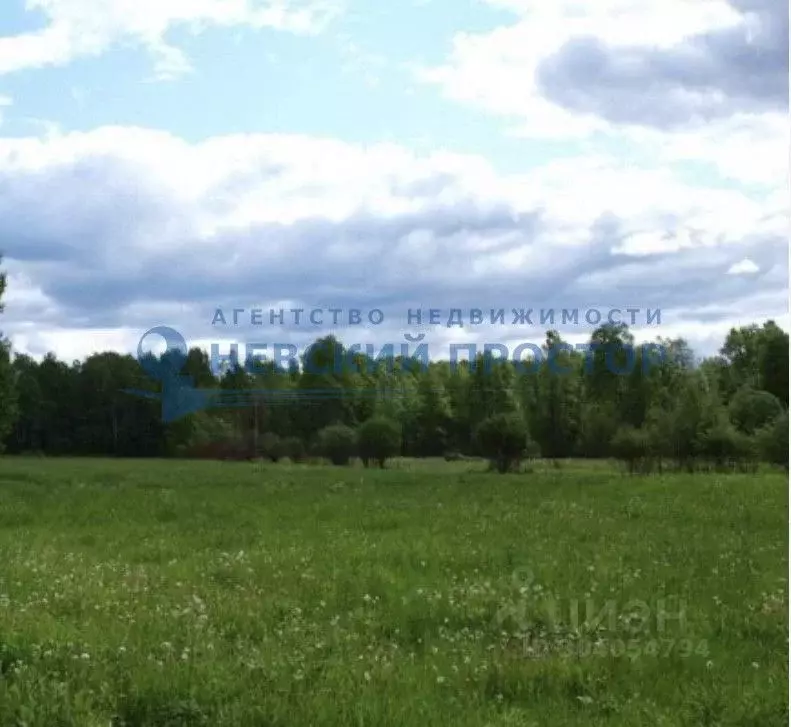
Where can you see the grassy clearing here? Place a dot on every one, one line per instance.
(183, 593)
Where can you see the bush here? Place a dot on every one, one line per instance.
(724, 447)
(210, 437)
(503, 440)
(294, 449)
(773, 441)
(378, 439)
(337, 443)
(599, 424)
(271, 447)
(206, 428)
(751, 410)
(236, 449)
(634, 447)
(532, 448)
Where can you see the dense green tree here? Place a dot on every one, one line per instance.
(723, 446)
(554, 419)
(757, 356)
(751, 409)
(325, 392)
(773, 441)
(491, 388)
(571, 403)
(8, 394)
(773, 362)
(294, 449)
(338, 443)
(433, 415)
(27, 433)
(503, 439)
(598, 425)
(271, 447)
(457, 387)
(634, 447)
(608, 363)
(378, 440)
(203, 433)
(742, 350)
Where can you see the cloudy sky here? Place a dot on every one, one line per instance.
(160, 159)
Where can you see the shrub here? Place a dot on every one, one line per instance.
(751, 410)
(723, 446)
(337, 443)
(532, 448)
(294, 449)
(211, 437)
(773, 441)
(503, 440)
(378, 439)
(206, 429)
(227, 449)
(597, 428)
(634, 447)
(271, 447)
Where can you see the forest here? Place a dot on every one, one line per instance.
(724, 411)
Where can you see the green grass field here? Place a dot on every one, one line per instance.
(191, 593)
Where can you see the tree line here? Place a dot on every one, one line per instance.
(730, 410)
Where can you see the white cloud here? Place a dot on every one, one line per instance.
(743, 267)
(73, 344)
(496, 70)
(80, 28)
(123, 228)
(746, 148)
(5, 102)
(499, 73)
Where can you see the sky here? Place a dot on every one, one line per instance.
(163, 159)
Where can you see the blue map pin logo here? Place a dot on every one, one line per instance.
(167, 366)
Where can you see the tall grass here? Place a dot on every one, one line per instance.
(198, 593)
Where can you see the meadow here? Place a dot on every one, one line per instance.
(176, 593)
